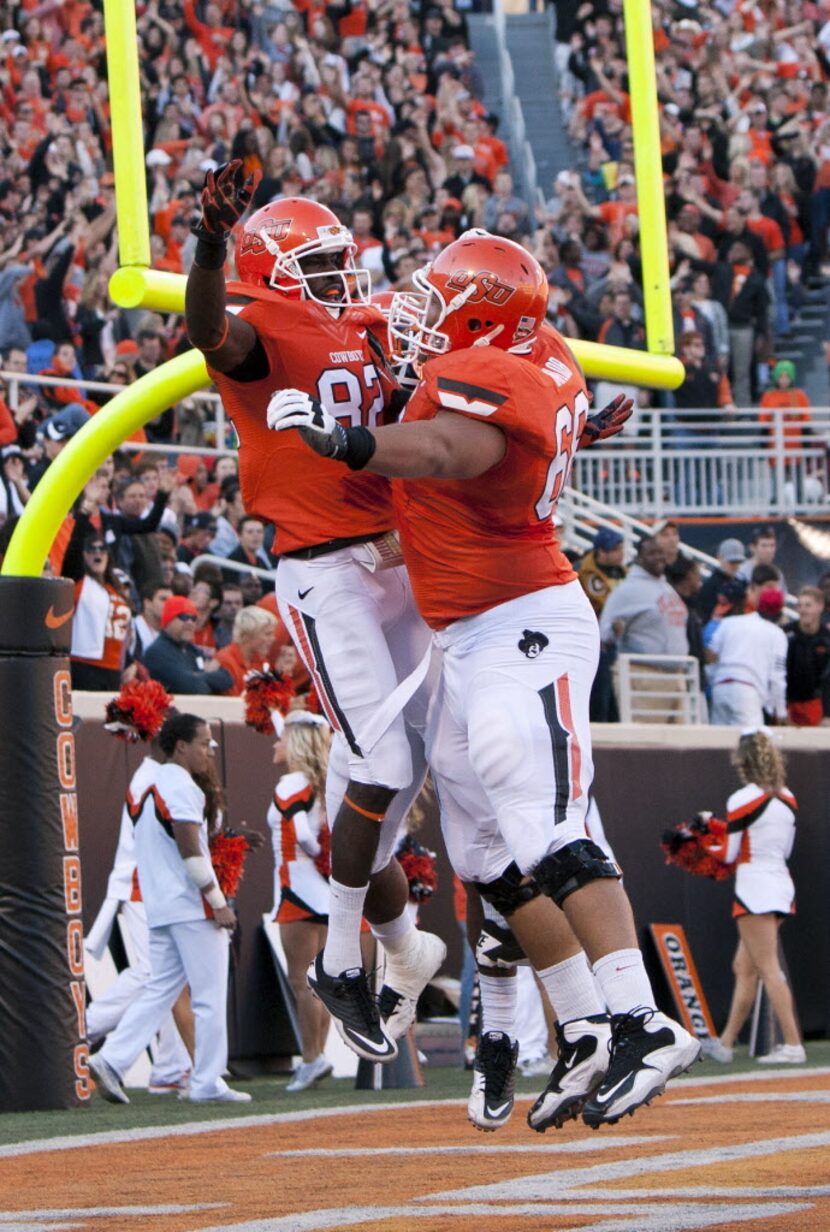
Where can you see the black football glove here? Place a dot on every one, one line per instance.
(607, 422)
(225, 197)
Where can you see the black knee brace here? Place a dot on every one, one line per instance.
(507, 893)
(572, 867)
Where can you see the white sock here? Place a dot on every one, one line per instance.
(571, 989)
(498, 1004)
(342, 948)
(623, 980)
(397, 934)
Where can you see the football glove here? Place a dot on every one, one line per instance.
(291, 408)
(225, 197)
(607, 422)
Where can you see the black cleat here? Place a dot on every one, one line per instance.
(355, 1011)
(647, 1049)
(580, 1068)
(494, 1078)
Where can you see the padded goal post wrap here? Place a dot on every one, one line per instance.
(42, 990)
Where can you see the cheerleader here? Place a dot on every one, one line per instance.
(760, 828)
(301, 891)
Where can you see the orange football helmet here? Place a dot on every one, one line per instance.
(482, 290)
(276, 239)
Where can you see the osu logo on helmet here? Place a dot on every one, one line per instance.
(253, 242)
(487, 287)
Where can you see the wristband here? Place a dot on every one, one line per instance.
(211, 254)
(360, 447)
(215, 898)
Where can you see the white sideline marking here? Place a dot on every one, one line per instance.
(646, 1218)
(115, 1137)
(576, 1182)
(765, 1097)
(607, 1142)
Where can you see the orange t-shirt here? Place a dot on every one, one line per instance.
(769, 231)
(470, 545)
(230, 657)
(309, 499)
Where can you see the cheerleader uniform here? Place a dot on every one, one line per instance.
(760, 833)
(301, 892)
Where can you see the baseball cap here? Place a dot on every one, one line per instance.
(771, 602)
(158, 158)
(463, 151)
(9, 36)
(784, 367)
(175, 606)
(64, 424)
(126, 347)
(606, 539)
(10, 451)
(200, 521)
(731, 550)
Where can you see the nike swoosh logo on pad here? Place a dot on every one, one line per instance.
(302, 593)
(361, 333)
(53, 621)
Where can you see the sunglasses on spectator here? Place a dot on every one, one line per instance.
(186, 616)
(95, 548)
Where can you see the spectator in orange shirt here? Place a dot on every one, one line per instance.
(749, 204)
(795, 417)
(253, 636)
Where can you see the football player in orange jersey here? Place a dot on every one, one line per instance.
(298, 316)
(483, 453)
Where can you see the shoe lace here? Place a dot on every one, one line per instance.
(623, 1024)
(367, 1004)
(498, 1066)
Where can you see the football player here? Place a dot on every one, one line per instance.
(341, 587)
(479, 461)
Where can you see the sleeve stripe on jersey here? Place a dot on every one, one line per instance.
(742, 818)
(474, 399)
(300, 803)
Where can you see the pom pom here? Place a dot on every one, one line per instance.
(138, 712)
(265, 692)
(227, 855)
(418, 863)
(692, 846)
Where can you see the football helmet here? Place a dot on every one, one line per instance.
(482, 290)
(400, 353)
(278, 237)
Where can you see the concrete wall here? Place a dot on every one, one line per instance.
(647, 778)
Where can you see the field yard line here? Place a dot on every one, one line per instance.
(607, 1142)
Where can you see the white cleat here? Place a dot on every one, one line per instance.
(580, 1068)
(107, 1081)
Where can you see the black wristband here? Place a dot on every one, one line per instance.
(360, 446)
(211, 254)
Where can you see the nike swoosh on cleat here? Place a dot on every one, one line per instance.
(571, 1063)
(494, 1112)
(370, 1044)
(609, 1095)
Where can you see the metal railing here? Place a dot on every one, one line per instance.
(659, 689)
(216, 424)
(751, 463)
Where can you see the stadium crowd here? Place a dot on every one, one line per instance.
(375, 108)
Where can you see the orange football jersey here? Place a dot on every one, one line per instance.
(309, 499)
(472, 544)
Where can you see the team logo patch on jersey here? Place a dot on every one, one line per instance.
(488, 288)
(532, 644)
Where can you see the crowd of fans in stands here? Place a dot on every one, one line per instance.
(374, 107)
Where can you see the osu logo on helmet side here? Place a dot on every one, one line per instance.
(252, 241)
(488, 287)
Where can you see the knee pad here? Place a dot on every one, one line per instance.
(497, 948)
(572, 867)
(507, 893)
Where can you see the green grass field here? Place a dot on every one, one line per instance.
(269, 1098)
